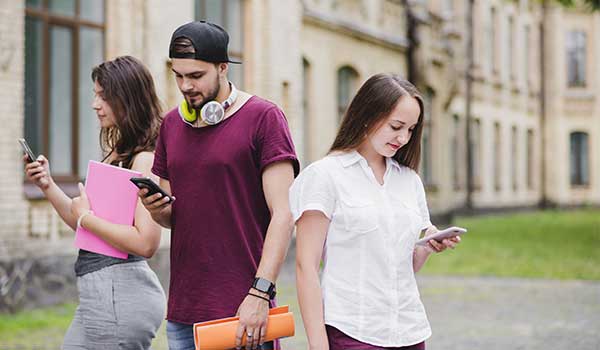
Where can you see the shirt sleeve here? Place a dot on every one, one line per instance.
(422, 202)
(159, 167)
(274, 140)
(312, 190)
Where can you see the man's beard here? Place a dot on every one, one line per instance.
(211, 96)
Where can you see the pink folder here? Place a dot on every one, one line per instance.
(113, 198)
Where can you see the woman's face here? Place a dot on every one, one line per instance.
(395, 131)
(105, 114)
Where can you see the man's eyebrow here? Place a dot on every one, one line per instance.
(190, 73)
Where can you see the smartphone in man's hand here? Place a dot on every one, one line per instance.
(27, 150)
(153, 187)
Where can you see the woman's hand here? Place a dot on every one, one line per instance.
(80, 205)
(434, 246)
(38, 172)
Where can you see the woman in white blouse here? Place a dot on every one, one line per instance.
(361, 209)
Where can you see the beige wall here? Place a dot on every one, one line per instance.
(13, 207)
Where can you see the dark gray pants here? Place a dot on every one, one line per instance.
(120, 307)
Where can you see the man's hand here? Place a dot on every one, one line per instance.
(253, 313)
(157, 205)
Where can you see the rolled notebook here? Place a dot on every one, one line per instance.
(220, 334)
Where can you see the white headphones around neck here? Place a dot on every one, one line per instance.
(211, 113)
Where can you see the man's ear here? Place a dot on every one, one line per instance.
(222, 68)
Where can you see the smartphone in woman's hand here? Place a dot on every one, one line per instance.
(27, 150)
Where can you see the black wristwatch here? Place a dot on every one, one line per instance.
(265, 286)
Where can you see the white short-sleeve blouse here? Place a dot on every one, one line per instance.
(368, 283)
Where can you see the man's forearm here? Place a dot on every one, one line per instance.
(279, 234)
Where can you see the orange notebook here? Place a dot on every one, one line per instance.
(220, 334)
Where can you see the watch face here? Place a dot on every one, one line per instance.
(263, 285)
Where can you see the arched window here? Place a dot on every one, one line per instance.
(347, 84)
(579, 159)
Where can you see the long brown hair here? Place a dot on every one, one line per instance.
(369, 108)
(129, 90)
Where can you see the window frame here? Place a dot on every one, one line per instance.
(529, 154)
(581, 178)
(75, 24)
(575, 49)
(353, 82)
(497, 165)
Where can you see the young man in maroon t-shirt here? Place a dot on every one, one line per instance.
(229, 160)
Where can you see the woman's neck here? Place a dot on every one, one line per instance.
(374, 159)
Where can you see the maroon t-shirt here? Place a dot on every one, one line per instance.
(220, 216)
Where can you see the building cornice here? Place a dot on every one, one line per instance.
(352, 29)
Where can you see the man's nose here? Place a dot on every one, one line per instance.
(186, 85)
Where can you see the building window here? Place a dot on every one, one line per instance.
(497, 157)
(576, 48)
(229, 15)
(579, 159)
(347, 84)
(510, 43)
(492, 59)
(456, 152)
(64, 40)
(530, 158)
(526, 55)
(515, 158)
(476, 152)
(426, 139)
(304, 125)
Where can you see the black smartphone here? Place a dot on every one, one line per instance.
(27, 150)
(153, 188)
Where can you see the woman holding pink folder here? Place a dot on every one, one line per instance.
(121, 302)
(361, 210)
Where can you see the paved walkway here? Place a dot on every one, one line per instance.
(496, 313)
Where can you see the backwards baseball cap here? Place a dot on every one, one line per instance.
(209, 40)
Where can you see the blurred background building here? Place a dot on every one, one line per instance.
(535, 106)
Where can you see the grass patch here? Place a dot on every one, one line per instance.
(33, 324)
(547, 244)
(44, 328)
